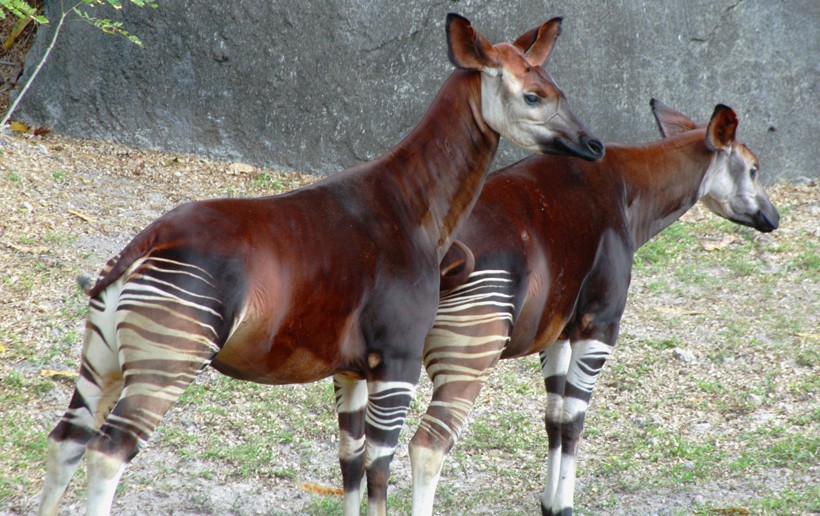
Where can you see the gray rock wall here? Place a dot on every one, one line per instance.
(317, 86)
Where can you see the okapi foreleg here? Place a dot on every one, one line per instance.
(554, 367)
(387, 406)
(585, 363)
(351, 403)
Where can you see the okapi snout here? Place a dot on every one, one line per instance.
(767, 219)
(588, 147)
(594, 146)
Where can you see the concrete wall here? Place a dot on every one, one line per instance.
(317, 86)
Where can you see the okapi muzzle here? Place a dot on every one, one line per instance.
(572, 138)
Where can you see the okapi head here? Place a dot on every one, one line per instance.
(732, 188)
(519, 99)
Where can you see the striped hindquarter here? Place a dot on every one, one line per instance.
(146, 338)
(471, 329)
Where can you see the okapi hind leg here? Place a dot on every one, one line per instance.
(98, 388)
(351, 403)
(151, 389)
(472, 327)
(163, 342)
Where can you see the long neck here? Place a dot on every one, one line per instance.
(663, 179)
(436, 172)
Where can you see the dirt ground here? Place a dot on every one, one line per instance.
(68, 205)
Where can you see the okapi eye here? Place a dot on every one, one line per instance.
(753, 172)
(532, 99)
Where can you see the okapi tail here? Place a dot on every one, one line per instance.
(84, 282)
(455, 271)
(142, 245)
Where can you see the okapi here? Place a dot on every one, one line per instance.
(339, 278)
(549, 248)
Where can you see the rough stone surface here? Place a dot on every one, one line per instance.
(317, 86)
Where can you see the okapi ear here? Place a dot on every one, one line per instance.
(670, 121)
(536, 44)
(467, 48)
(722, 127)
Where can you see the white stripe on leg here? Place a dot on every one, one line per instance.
(556, 358)
(352, 501)
(580, 374)
(566, 485)
(553, 477)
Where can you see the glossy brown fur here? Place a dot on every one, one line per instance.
(555, 222)
(568, 228)
(340, 278)
(364, 238)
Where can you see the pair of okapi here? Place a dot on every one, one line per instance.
(346, 277)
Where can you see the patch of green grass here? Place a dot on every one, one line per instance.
(809, 357)
(691, 274)
(525, 384)
(666, 246)
(22, 446)
(248, 458)
(789, 501)
(664, 344)
(14, 177)
(267, 182)
(773, 447)
(806, 418)
(60, 238)
(618, 463)
(659, 286)
(709, 386)
(323, 505)
(505, 433)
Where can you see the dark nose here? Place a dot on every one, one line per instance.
(596, 146)
(592, 148)
(766, 221)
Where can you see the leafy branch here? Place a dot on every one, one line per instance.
(26, 11)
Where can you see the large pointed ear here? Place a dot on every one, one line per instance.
(670, 121)
(722, 127)
(467, 48)
(536, 44)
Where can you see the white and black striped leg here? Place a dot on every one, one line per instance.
(554, 366)
(98, 387)
(387, 406)
(162, 346)
(472, 327)
(587, 360)
(351, 403)
(458, 374)
(152, 387)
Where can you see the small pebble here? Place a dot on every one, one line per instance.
(684, 355)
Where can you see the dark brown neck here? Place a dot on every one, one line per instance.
(436, 172)
(663, 180)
